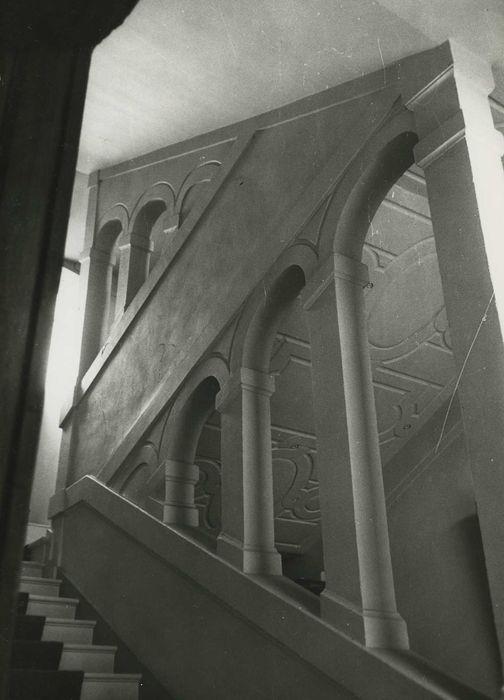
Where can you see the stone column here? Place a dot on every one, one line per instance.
(95, 282)
(359, 596)
(180, 480)
(46, 51)
(230, 539)
(133, 269)
(460, 152)
(260, 555)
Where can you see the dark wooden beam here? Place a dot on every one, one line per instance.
(46, 50)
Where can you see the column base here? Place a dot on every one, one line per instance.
(374, 629)
(261, 562)
(180, 515)
(231, 550)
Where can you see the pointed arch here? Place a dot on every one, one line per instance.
(113, 224)
(139, 247)
(154, 201)
(255, 332)
(376, 167)
(100, 266)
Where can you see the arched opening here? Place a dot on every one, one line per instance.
(153, 218)
(207, 494)
(359, 593)
(294, 452)
(149, 225)
(427, 478)
(281, 508)
(408, 334)
(192, 465)
(107, 242)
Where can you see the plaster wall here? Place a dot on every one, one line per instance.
(222, 261)
(439, 566)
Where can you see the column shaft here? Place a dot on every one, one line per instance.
(369, 497)
(359, 595)
(230, 539)
(133, 270)
(260, 555)
(96, 283)
(461, 158)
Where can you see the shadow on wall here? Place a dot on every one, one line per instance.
(440, 572)
(468, 532)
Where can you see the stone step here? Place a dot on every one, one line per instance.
(88, 657)
(110, 686)
(79, 653)
(38, 585)
(32, 568)
(49, 606)
(66, 630)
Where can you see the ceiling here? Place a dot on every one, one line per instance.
(179, 68)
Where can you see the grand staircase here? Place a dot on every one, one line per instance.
(54, 657)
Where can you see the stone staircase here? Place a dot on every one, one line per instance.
(45, 618)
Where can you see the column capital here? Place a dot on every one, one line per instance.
(228, 394)
(178, 470)
(180, 479)
(354, 271)
(256, 381)
(171, 223)
(133, 240)
(96, 255)
(337, 266)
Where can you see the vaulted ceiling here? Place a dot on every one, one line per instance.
(184, 67)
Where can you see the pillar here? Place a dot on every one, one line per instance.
(460, 152)
(180, 480)
(230, 539)
(96, 283)
(133, 269)
(44, 80)
(259, 555)
(359, 597)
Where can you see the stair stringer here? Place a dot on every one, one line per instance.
(206, 630)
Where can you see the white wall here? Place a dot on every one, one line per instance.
(62, 365)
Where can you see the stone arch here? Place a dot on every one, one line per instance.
(345, 386)
(251, 354)
(377, 166)
(190, 404)
(102, 284)
(142, 471)
(193, 406)
(267, 304)
(157, 199)
(190, 189)
(111, 227)
(139, 247)
(113, 224)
